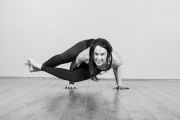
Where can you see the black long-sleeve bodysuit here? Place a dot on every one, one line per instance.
(77, 74)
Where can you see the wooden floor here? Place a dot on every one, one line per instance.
(46, 99)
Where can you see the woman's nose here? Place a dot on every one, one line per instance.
(99, 57)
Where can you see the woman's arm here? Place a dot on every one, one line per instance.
(117, 74)
(82, 57)
(75, 63)
(117, 68)
(117, 63)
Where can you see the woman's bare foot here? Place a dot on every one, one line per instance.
(34, 66)
(31, 68)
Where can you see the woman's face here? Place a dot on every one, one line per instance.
(100, 55)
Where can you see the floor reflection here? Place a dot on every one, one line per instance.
(89, 105)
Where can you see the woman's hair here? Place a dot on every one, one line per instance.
(105, 44)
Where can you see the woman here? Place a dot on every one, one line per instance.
(89, 58)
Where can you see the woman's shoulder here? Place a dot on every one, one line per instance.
(117, 59)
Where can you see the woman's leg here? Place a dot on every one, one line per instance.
(79, 74)
(67, 56)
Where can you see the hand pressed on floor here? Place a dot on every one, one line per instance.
(120, 87)
(71, 86)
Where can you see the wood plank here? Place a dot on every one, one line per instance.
(75, 107)
(29, 106)
(151, 101)
(134, 108)
(114, 106)
(11, 100)
(28, 99)
(170, 90)
(95, 108)
(165, 98)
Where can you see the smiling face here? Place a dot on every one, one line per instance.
(100, 55)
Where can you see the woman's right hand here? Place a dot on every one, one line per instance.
(120, 87)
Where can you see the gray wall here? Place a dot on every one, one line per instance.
(145, 33)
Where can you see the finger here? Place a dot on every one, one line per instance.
(123, 88)
(117, 87)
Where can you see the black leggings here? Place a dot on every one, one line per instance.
(75, 74)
